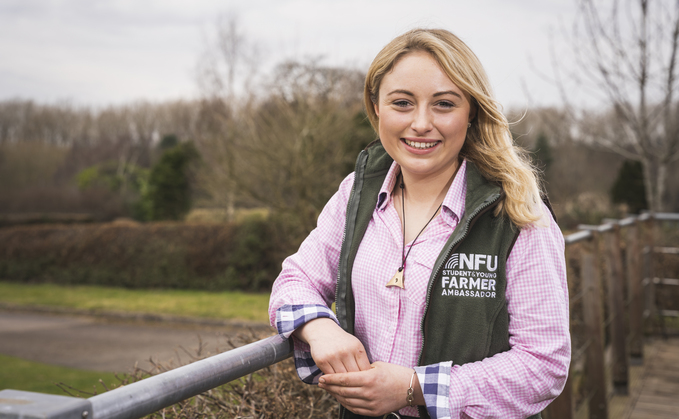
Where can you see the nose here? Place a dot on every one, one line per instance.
(422, 121)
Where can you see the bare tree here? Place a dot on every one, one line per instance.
(626, 52)
(288, 150)
(230, 60)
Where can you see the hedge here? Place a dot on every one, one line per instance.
(245, 256)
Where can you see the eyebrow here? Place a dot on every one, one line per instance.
(448, 92)
(437, 94)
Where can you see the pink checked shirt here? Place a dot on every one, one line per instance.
(512, 384)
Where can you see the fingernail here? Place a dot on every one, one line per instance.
(321, 380)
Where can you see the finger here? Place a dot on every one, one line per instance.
(363, 362)
(350, 364)
(325, 367)
(335, 366)
(358, 406)
(338, 367)
(336, 380)
(346, 380)
(348, 395)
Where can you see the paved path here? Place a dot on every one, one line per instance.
(103, 344)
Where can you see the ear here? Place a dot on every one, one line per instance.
(472, 110)
(377, 109)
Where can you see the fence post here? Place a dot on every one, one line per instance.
(616, 308)
(650, 309)
(562, 406)
(596, 378)
(635, 290)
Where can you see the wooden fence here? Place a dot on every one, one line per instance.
(610, 317)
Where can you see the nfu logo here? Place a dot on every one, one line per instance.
(472, 261)
(470, 275)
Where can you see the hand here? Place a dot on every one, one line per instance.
(333, 349)
(375, 392)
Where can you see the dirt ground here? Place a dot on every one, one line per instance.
(110, 344)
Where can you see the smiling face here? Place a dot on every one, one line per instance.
(423, 118)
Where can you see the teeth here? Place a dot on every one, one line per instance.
(419, 145)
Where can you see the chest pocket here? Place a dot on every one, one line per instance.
(419, 265)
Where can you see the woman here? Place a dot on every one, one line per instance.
(446, 268)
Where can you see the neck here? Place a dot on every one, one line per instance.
(422, 199)
(428, 191)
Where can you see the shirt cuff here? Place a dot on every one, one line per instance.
(434, 381)
(288, 319)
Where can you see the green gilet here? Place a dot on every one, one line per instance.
(465, 318)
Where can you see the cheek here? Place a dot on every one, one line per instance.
(452, 125)
(392, 121)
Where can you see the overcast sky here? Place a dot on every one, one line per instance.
(100, 52)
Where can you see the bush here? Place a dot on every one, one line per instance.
(629, 187)
(242, 256)
(167, 195)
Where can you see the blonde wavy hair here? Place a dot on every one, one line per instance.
(489, 144)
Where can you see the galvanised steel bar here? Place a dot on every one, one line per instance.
(163, 390)
(666, 216)
(577, 237)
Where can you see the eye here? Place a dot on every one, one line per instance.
(446, 104)
(401, 103)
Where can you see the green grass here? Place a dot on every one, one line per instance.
(220, 305)
(19, 374)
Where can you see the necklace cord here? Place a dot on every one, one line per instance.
(404, 255)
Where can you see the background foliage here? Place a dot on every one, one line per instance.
(150, 255)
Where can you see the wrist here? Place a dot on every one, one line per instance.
(410, 397)
(310, 330)
(417, 395)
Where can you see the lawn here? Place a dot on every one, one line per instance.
(219, 305)
(19, 374)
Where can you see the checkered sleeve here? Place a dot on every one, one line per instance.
(434, 381)
(288, 319)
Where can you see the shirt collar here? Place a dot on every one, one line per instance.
(388, 186)
(453, 202)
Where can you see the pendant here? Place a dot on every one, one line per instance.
(397, 279)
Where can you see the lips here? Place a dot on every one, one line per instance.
(422, 145)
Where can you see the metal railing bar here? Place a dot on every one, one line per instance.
(608, 226)
(666, 281)
(666, 216)
(644, 216)
(154, 393)
(666, 250)
(670, 313)
(577, 237)
(628, 221)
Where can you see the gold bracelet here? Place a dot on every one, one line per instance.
(409, 397)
